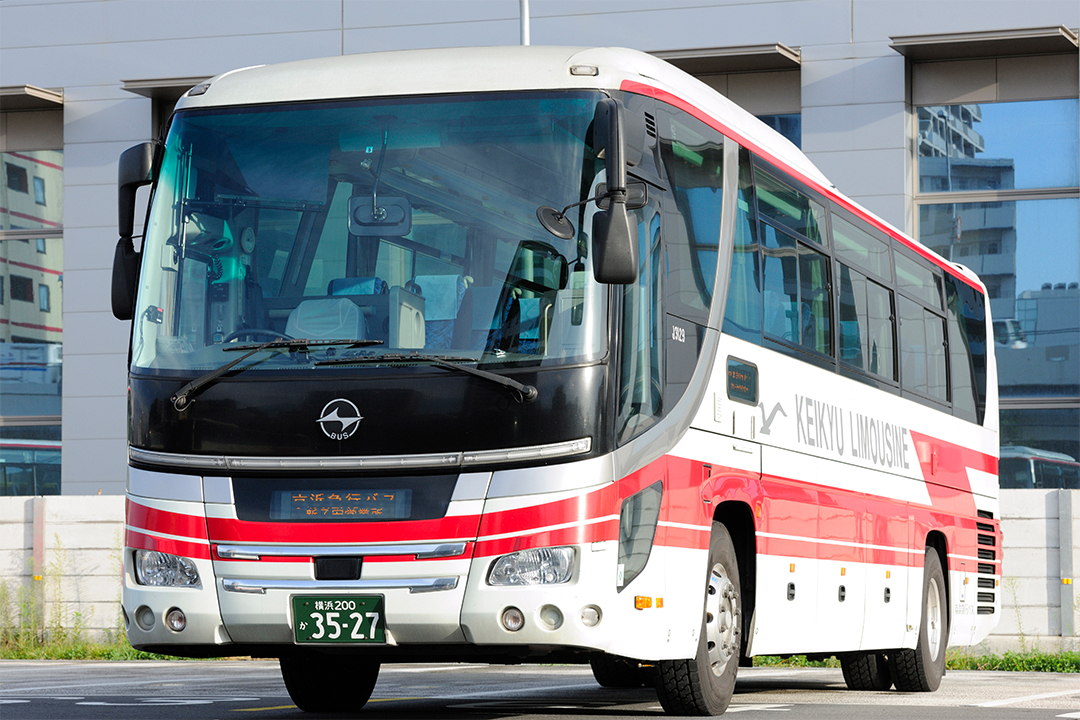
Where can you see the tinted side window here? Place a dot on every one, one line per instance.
(693, 157)
(742, 312)
(922, 351)
(917, 280)
(967, 349)
(787, 206)
(867, 326)
(798, 306)
(859, 248)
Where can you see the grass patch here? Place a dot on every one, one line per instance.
(1026, 661)
(118, 649)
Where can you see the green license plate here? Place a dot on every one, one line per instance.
(339, 619)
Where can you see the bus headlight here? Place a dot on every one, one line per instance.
(163, 570)
(542, 566)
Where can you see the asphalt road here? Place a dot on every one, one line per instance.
(251, 690)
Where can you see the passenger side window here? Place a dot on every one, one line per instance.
(922, 351)
(693, 158)
(742, 311)
(790, 208)
(967, 349)
(797, 297)
(866, 324)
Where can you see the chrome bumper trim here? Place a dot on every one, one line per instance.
(420, 552)
(413, 585)
(358, 462)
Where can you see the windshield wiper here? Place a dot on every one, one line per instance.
(526, 393)
(183, 398)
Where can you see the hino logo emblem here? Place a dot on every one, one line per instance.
(340, 419)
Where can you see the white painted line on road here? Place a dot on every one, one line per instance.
(159, 681)
(1070, 715)
(1044, 696)
(769, 708)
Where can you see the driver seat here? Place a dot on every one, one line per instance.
(327, 319)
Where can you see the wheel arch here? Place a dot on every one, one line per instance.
(737, 517)
(937, 542)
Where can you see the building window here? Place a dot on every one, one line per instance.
(16, 178)
(999, 191)
(22, 288)
(31, 335)
(790, 126)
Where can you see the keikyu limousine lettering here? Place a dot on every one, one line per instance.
(822, 425)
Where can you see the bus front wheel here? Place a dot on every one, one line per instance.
(328, 683)
(704, 684)
(921, 669)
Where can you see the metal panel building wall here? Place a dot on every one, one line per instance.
(854, 94)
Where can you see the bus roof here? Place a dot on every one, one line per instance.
(532, 67)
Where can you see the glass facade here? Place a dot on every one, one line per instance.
(998, 193)
(790, 126)
(31, 321)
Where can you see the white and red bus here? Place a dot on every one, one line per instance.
(540, 355)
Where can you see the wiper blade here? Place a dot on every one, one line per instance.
(300, 344)
(527, 393)
(183, 398)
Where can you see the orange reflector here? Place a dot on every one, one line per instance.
(1066, 581)
(642, 603)
(659, 602)
(792, 568)
(888, 574)
(843, 572)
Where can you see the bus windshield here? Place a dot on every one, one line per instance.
(407, 225)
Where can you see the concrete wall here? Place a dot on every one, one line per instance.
(1041, 605)
(64, 552)
(74, 544)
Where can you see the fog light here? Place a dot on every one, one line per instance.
(551, 616)
(176, 620)
(590, 616)
(513, 619)
(144, 618)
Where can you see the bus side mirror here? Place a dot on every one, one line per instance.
(135, 170)
(614, 254)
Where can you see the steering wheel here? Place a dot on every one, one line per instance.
(254, 333)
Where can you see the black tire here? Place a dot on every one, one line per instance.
(866, 671)
(328, 683)
(921, 669)
(614, 671)
(704, 685)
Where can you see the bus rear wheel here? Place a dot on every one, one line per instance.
(328, 683)
(866, 671)
(921, 669)
(704, 684)
(615, 671)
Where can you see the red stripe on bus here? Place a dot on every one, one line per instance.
(163, 521)
(312, 533)
(141, 541)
